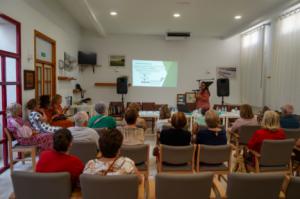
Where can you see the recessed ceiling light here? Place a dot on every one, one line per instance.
(176, 15)
(113, 13)
(238, 17)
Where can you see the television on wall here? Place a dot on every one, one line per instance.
(87, 58)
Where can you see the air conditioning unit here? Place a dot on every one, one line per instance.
(177, 35)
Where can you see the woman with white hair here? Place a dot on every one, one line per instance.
(24, 134)
(102, 120)
(288, 120)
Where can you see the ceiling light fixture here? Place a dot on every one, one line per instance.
(113, 13)
(176, 15)
(237, 17)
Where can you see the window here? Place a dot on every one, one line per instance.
(45, 49)
(10, 76)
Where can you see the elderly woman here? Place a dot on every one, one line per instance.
(270, 131)
(288, 120)
(15, 125)
(37, 121)
(102, 120)
(140, 122)
(213, 135)
(164, 118)
(247, 118)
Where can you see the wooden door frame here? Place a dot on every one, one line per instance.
(53, 43)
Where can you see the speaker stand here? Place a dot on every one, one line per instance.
(222, 100)
(122, 99)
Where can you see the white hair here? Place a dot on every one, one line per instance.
(100, 107)
(13, 109)
(80, 118)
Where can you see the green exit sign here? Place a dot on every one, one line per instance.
(43, 54)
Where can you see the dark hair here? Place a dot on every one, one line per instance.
(204, 110)
(131, 116)
(164, 112)
(178, 120)
(62, 139)
(110, 142)
(44, 101)
(31, 104)
(205, 89)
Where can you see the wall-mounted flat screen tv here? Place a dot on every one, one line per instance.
(87, 58)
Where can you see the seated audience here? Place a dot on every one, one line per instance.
(261, 114)
(37, 120)
(140, 122)
(288, 120)
(213, 135)
(164, 118)
(247, 118)
(24, 134)
(58, 117)
(101, 120)
(177, 135)
(80, 132)
(58, 159)
(270, 131)
(44, 107)
(131, 133)
(109, 162)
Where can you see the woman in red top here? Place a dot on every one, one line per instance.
(203, 97)
(270, 131)
(58, 159)
(58, 113)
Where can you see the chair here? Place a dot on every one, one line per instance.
(293, 188)
(250, 186)
(19, 149)
(292, 133)
(275, 156)
(187, 186)
(140, 155)
(212, 158)
(30, 185)
(176, 158)
(85, 151)
(112, 187)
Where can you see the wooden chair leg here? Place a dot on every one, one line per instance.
(33, 157)
(11, 160)
(23, 157)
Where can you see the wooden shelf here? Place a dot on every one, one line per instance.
(65, 78)
(106, 84)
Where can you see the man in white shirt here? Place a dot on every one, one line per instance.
(80, 132)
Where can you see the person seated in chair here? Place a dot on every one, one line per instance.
(102, 120)
(247, 118)
(131, 133)
(140, 122)
(58, 159)
(213, 135)
(110, 162)
(164, 118)
(288, 120)
(177, 135)
(80, 132)
(44, 107)
(58, 117)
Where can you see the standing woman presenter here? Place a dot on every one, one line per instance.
(202, 97)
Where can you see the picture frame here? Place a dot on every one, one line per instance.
(29, 79)
(190, 97)
(117, 60)
(181, 99)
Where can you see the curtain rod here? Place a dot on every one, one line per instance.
(254, 28)
(291, 12)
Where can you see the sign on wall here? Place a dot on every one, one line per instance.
(226, 72)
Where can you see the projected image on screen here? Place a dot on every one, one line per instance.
(149, 73)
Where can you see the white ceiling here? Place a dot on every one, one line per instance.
(154, 17)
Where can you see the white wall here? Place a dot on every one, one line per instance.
(60, 28)
(197, 58)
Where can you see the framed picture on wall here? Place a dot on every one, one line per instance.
(29, 79)
(190, 97)
(117, 60)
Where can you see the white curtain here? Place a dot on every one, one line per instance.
(285, 75)
(252, 48)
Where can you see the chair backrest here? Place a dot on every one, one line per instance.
(138, 153)
(31, 185)
(187, 186)
(250, 186)
(292, 133)
(293, 188)
(112, 187)
(177, 154)
(276, 152)
(213, 154)
(246, 132)
(85, 151)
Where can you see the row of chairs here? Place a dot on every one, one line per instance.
(165, 186)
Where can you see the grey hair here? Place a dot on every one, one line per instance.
(80, 118)
(100, 107)
(12, 109)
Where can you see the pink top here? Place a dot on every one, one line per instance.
(203, 100)
(243, 122)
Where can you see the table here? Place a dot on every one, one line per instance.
(89, 108)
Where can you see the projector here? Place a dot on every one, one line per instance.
(177, 35)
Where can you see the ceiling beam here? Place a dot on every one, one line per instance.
(93, 18)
